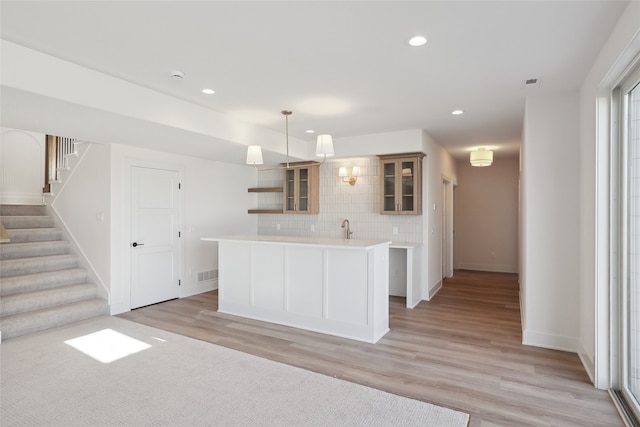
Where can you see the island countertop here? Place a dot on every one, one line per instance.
(306, 241)
(333, 286)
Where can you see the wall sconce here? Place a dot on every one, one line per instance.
(350, 178)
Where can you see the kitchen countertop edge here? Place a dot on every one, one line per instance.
(304, 241)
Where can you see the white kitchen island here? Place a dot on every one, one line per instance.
(334, 286)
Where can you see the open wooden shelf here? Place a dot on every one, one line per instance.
(265, 211)
(265, 190)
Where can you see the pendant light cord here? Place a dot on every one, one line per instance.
(286, 122)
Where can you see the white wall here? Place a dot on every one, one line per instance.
(215, 202)
(486, 216)
(437, 165)
(81, 201)
(22, 160)
(550, 179)
(522, 250)
(620, 50)
(405, 141)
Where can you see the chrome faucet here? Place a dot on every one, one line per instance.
(348, 231)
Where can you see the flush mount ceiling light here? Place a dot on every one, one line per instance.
(457, 112)
(481, 157)
(324, 148)
(208, 91)
(416, 41)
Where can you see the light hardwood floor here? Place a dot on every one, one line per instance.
(461, 350)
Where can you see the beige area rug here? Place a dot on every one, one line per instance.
(49, 379)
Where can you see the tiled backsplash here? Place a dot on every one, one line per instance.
(359, 203)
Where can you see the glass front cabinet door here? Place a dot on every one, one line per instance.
(301, 188)
(401, 184)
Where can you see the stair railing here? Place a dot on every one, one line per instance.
(58, 149)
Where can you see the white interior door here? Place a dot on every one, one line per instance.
(154, 248)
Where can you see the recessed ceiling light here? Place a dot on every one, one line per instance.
(208, 91)
(457, 112)
(418, 41)
(310, 131)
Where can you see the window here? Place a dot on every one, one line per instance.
(626, 248)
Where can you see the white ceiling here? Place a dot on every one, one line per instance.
(344, 68)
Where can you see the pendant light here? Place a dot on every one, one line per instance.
(324, 148)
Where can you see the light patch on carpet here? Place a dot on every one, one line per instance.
(107, 345)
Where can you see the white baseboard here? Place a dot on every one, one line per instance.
(433, 291)
(587, 363)
(416, 304)
(523, 317)
(201, 287)
(115, 309)
(489, 267)
(210, 285)
(553, 342)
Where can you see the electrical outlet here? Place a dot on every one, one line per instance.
(277, 226)
(395, 230)
(313, 227)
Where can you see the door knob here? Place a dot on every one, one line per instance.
(136, 244)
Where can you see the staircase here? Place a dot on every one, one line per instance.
(41, 286)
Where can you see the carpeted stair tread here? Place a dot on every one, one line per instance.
(39, 281)
(33, 249)
(30, 210)
(41, 284)
(33, 321)
(16, 267)
(23, 235)
(27, 221)
(30, 301)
